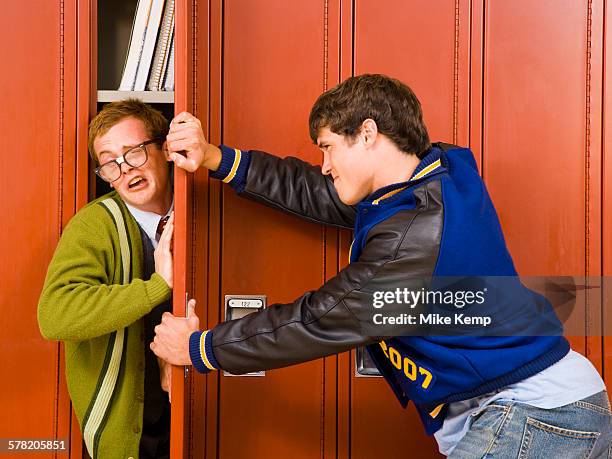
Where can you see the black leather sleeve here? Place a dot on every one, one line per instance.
(296, 187)
(399, 250)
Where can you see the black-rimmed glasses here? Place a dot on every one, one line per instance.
(134, 157)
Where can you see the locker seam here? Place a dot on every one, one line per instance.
(221, 217)
(337, 407)
(338, 267)
(194, 233)
(194, 55)
(602, 176)
(60, 202)
(338, 264)
(322, 416)
(325, 43)
(482, 88)
(470, 49)
(207, 423)
(349, 376)
(353, 20)
(61, 121)
(456, 76)
(336, 270)
(587, 188)
(323, 229)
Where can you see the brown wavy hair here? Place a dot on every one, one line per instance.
(389, 102)
(155, 123)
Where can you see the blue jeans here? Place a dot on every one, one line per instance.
(507, 429)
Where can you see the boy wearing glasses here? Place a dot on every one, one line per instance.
(111, 279)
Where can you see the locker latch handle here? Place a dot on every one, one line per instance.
(237, 306)
(364, 365)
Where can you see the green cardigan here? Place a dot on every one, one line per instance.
(84, 304)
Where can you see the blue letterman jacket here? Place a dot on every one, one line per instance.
(439, 224)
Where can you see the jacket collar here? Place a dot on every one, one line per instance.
(432, 164)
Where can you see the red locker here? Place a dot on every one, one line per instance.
(38, 177)
(523, 83)
(273, 59)
(541, 163)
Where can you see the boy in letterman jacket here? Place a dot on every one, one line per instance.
(418, 211)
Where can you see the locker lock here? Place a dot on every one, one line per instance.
(237, 306)
(364, 365)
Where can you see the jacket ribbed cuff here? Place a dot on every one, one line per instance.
(233, 168)
(201, 352)
(157, 289)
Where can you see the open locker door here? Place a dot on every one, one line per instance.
(183, 281)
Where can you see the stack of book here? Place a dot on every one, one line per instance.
(149, 64)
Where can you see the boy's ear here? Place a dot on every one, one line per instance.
(369, 131)
(165, 149)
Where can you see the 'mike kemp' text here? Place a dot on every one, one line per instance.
(430, 319)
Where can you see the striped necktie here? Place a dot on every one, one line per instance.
(160, 227)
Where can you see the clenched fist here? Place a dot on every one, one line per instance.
(171, 342)
(188, 147)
